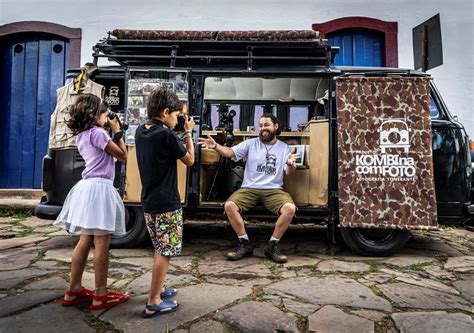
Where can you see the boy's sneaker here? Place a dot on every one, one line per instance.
(273, 252)
(243, 249)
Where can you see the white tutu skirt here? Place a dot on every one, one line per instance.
(93, 207)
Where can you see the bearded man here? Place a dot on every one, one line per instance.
(267, 160)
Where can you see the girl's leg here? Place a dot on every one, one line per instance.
(101, 264)
(158, 275)
(78, 264)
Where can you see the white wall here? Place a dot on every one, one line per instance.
(454, 78)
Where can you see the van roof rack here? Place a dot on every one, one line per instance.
(246, 50)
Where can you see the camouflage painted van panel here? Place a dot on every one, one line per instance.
(385, 155)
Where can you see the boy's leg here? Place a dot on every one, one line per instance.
(78, 263)
(167, 242)
(158, 276)
(101, 264)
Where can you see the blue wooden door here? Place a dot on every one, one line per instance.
(358, 47)
(31, 70)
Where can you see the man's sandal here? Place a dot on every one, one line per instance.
(83, 295)
(168, 292)
(110, 300)
(160, 309)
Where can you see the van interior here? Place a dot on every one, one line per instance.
(233, 107)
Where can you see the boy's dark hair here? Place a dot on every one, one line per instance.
(274, 120)
(160, 99)
(85, 111)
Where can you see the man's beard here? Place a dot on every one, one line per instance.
(266, 136)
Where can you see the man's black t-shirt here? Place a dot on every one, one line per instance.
(158, 148)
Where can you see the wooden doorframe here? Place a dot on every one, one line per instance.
(389, 30)
(73, 35)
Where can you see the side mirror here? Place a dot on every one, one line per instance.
(456, 119)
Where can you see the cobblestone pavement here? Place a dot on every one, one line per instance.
(428, 287)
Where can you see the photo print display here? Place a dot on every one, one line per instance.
(300, 150)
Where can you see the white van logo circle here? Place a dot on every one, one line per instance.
(394, 134)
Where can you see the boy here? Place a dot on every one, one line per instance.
(158, 150)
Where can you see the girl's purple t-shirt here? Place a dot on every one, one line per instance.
(91, 145)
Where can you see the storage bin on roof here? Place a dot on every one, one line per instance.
(249, 35)
(218, 50)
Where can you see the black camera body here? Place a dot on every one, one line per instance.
(123, 124)
(226, 123)
(181, 120)
(226, 120)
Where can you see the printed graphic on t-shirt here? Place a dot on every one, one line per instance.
(269, 167)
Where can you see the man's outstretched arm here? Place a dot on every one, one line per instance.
(212, 144)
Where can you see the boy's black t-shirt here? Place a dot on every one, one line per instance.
(158, 148)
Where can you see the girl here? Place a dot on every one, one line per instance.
(93, 207)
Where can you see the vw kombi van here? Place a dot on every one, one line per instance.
(382, 155)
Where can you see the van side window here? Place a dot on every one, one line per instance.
(298, 115)
(434, 108)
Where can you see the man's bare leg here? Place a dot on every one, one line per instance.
(287, 212)
(244, 248)
(235, 219)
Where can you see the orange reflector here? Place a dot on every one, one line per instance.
(471, 144)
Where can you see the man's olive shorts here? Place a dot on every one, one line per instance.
(271, 199)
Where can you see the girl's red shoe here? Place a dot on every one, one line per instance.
(83, 295)
(112, 299)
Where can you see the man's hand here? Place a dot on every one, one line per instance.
(292, 159)
(189, 123)
(208, 143)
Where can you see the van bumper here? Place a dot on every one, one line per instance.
(470, 210)
(47, 211)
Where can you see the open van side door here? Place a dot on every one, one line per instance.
(139, 83)
(385, 164)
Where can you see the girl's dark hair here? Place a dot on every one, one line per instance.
(160, 99)
(274, 120)
(85, 111)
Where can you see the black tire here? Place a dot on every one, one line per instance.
(375, 242)
(136, 229)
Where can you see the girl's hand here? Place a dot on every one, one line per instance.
(114, 125)
(208, 143)
(189, 123)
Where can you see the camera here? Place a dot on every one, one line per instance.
(123, 124)
(226, 120)
(226, 123)
(182, 119)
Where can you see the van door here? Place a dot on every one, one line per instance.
(139, 83)
(385, 164)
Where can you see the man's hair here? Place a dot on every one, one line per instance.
(274, 120)
(84, 112)
(160, 99)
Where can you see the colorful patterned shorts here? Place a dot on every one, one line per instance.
(166, 232)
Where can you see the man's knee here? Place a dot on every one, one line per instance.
(288, 209)
(230, 207)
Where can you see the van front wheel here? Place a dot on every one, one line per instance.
(375, 242)
(136, 231)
